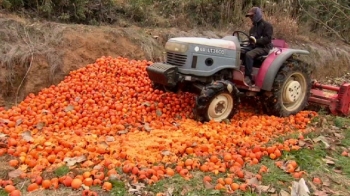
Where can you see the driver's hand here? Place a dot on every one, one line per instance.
(252, 39)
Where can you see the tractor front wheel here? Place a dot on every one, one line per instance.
(291, 90)
(217, 101)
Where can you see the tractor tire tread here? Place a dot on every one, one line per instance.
(272, 104)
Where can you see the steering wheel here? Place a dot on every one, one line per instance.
(243, 38)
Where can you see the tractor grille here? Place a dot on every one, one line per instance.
(176, 59)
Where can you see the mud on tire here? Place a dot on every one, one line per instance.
(290, 91)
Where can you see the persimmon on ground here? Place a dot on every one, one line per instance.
(106, 114)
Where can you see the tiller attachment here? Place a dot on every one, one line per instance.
(336, 98)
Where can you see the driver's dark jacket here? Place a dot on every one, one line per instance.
(262, 31)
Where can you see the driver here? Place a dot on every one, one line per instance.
(260, 41)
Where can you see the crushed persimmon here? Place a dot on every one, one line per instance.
(106, 116)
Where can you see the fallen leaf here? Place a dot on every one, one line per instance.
(123, 132)
(329, 162)
(323, 122)
(271, 190)
(104, 144)
(72, 161)
(226, 121)
(248, 175)
(339, 136)
(169, 191)
(262, 189)
(176, 124)
(312, 185)
(284, 193)
(338, 171)
(300, 188)
(69, 108)
(320, 193)
(135, 189)
(45, 112)
(146, 104)
(85, 187)
(331, 192)
(166, 152)
(158, 113)
(147, 127)
(15, 173)
(2, 136)
(110, 139)
(23, 167)
(97, 167)
(335, 127)
(185, 190)
(40, 125)
(301, 143)
(323, 140)
(326, 182)
(331, 158)
(208, 185)
(5, 121)
(18, 122)
(27, 136)
(253, 181)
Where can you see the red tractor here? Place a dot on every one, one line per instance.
(213, 69)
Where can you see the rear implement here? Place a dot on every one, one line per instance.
(336, 98)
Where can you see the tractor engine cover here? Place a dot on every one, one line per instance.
(163, 74)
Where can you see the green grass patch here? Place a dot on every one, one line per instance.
(341, 122)
(308, 159)
(282, 138)
(312, 135)
(179, 186)
(249, 193)
(61, 171)
(346, 140)
(119, 188)
(3, 192)
(343, 163)
(275, 176)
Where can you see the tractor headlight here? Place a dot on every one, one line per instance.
(176, 47)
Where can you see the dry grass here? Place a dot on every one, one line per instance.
(21, 44)
(284, 27)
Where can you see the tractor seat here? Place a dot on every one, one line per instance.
(277, 43)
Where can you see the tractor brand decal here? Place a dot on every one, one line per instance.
(209, 50)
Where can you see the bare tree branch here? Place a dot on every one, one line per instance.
(328, 24)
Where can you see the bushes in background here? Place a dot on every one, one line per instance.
(325, 17)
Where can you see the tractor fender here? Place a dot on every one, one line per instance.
(272, 64)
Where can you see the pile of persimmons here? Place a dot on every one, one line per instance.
(105, 117)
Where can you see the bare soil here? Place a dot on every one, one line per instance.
(36, 54)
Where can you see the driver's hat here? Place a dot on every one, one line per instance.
(251, 12)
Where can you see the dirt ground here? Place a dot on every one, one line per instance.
(37, 54)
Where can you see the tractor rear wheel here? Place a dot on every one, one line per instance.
(217, 101)
(290, 91)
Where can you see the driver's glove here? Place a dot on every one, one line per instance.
(252, 39)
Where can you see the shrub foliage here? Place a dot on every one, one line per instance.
(326, 17)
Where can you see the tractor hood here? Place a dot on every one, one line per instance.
(220, 43)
